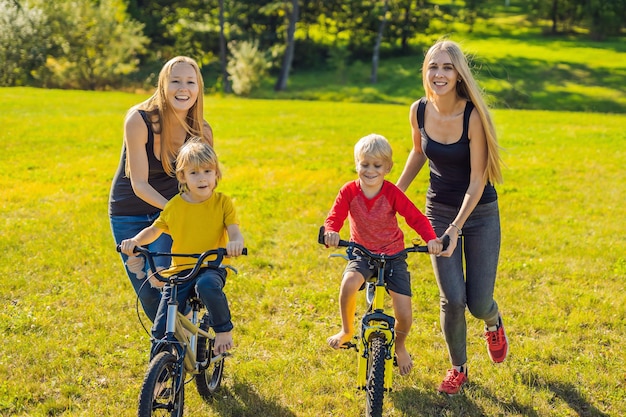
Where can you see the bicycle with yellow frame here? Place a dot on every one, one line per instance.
(187, 348)
(375, 344)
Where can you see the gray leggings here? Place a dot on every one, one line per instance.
(480, 246)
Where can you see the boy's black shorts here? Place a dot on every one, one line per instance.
(397, 276)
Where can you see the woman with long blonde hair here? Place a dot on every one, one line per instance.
(154, 131)
(453, 130)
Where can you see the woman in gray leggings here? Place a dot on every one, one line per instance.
(452, 129)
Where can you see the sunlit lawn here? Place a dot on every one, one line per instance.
(73, 343)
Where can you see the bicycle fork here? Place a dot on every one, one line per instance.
(376, 324)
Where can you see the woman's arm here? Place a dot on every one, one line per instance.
(416, 158)
(135, 138)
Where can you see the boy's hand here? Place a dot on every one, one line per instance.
(435, 246)
(331, 239)
(127, 246)
(234, 248)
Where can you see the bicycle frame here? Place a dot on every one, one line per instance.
(177, 324)
(183, 333)
(375, 322)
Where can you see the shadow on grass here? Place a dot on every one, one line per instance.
(420, 403)
(567, 392)
(523, 83)
(241, 400)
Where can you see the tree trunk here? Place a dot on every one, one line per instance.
(281, 83)
(379, 39)
(405, 27)
(223, 62)
(554, 13)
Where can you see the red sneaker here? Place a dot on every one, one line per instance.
(453, 382)
(497, 343)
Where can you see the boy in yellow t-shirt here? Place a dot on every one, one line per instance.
(198, 219)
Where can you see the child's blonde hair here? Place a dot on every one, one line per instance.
(196, 153)
(375, 146)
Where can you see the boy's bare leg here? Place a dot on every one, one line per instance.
(223, 342)
(404, 317)
(350, 285)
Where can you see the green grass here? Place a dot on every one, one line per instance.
(73, 345)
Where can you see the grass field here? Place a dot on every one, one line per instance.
(73, 345)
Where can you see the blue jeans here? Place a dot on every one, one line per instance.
(126, 227)
(473, 287)
(208, 286)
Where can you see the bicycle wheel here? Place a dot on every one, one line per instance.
(163, 391)
(209, 379)
(375, 388)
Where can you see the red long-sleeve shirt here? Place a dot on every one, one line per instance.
(373, 222)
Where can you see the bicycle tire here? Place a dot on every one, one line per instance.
(163, 390)
(209, 379)
(375, 388)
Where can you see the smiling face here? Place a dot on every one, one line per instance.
(441, 74)
(182, 87)
(200, 182)
(371, 171)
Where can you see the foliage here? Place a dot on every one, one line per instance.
(73, 345)
(247, 66)
(98, 45)
(601, 18)
(523, 71)
(24, 42)
(106, 44)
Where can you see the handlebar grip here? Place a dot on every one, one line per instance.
(119, 249)
(320, 239)
(244, 251)
(320, 235)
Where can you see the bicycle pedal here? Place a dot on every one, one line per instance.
(220, 357)
(348, 345)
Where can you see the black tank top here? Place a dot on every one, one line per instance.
(450, 164)
(122, 199)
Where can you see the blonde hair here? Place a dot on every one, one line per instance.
(468, 89)
(160, 113)
(196, 153)
(375, 146)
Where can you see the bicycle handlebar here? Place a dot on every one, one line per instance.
(175, 279)
(380, 256)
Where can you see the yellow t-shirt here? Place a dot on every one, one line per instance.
(196, 227)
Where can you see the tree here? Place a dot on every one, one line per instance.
(24, 42)
(97, 45)
(379, 39)
(247, 66)
(603, 17)
(223, 61)
(281, 83)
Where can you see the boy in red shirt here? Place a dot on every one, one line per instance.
(371, 203)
